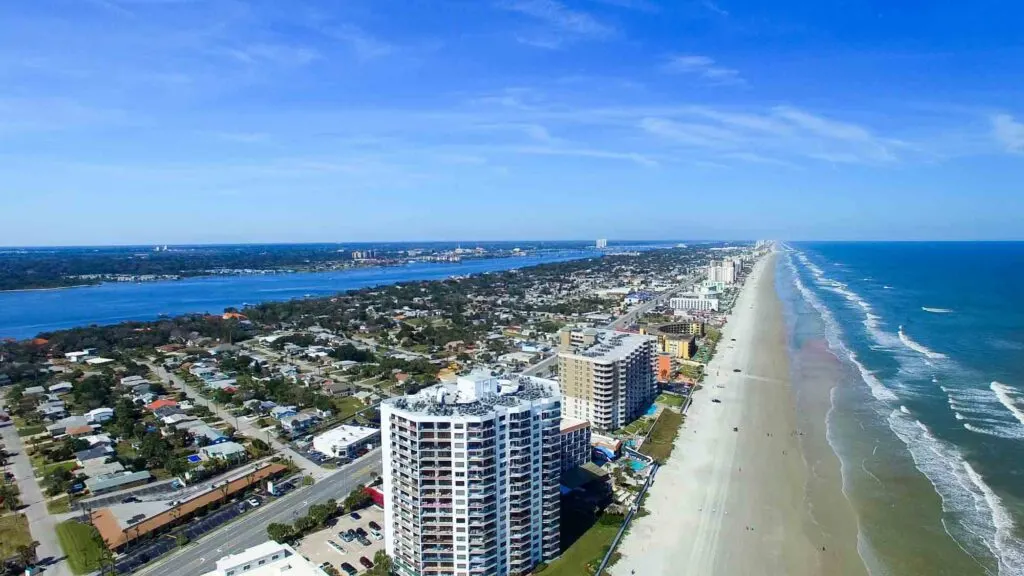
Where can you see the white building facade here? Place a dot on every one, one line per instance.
(693, 302)
(471, 477)
(267, 559)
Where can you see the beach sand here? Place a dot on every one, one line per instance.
(765, 499)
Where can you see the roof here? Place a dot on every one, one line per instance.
(267, 559)
(477, 395)
(571, 425)
(115, 480)
(162, 403)
(75, 430)
(346, 435)
(222, 449)
(115, 535)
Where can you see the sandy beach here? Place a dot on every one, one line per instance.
(745, 501)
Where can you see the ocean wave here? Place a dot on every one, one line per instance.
(887, 287)
(878, 390)
(982, 524)
(1006, 397)
(1006, 432)
(917, 347)
(937, 310)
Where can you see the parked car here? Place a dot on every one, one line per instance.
(374, 526)
(347, 535)
(337, 547)
(130, 499)
(365, 562)
(349, 569)
(253, 502)
(364, 540)
(355, 516)
(360, 532)
(376, 534)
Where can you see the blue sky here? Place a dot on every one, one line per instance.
(172, 121)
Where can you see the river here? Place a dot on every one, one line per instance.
(27, 313)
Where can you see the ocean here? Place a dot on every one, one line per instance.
(922, 347)
(23, 314)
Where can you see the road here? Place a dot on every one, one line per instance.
(40, 522)
(540, 367)
(251, 529)
(242, 425)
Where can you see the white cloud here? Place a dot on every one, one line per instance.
(704, 67)
(636, 157)
(560, 19)
(1008, 132)
(364, 45)
(702, 135)
(277, 54)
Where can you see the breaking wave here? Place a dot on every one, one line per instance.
(917, 347)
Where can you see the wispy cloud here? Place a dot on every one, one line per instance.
(636, 157)
(702, 135)
(1008, 132)
(560, 22)
(712, 7)
(704, 67)
(642, 5)
(276, 54)
(364, 45)
(867, 144)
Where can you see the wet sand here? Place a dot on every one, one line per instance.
(749, 500)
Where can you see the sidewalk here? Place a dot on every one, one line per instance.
(40, 522)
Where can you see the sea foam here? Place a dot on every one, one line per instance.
(982, 523)
(1006, 395)
(918, 347)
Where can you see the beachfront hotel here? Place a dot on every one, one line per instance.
(606, 377)
(471, 476)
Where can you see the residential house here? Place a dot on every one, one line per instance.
(118, 481)
(280, 412)
(34, 391)
(162, 403)
(297, 423)
(211, 434)
(230, 451)
(101, 452)
(60, 388)
(52, 411)
(99, 415)
(60, 427)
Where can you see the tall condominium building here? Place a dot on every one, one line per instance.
(607, 377)
(267, 559)
(471, 477)
(602, 243)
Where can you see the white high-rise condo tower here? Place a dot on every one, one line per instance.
(471, 477)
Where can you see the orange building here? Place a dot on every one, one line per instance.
(664, 367)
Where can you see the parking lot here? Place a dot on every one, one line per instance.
(318, 548)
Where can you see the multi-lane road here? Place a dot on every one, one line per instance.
(251, 529)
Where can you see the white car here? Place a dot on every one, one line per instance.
(253, 502)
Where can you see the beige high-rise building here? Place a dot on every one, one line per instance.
(606, 377)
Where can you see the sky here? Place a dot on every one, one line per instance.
(187, 121)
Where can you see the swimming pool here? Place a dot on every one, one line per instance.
(637, 465)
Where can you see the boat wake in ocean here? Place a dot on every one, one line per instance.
(937, 310)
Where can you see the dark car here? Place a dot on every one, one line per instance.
(355, 516)
(130, 500)
(374, 526)
(716, 400)
(365, 562)
(736, 370)
(349, 569)
(364, 540)
(360, 531)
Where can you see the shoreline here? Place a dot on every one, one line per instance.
(760, 499)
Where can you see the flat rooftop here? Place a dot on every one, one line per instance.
(478, 394)
(608, 345)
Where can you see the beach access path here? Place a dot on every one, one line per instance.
(731, 499)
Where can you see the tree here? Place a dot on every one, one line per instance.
(304, 524)
(382, 564)
(181, 540)
(357, 499)
(280, 532)
(9, 497)
(27, 553)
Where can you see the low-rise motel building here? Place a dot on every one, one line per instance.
(124, 523)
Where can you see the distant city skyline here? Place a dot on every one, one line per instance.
(228, 121)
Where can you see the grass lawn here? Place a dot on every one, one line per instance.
(347, 406)
(659, 443)
(669, 400)
(31, 430)
(640, 426)
(13, 533)
(65, 465)
(59, 505)
(82, 544)
(125, 450)
(585, 554)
